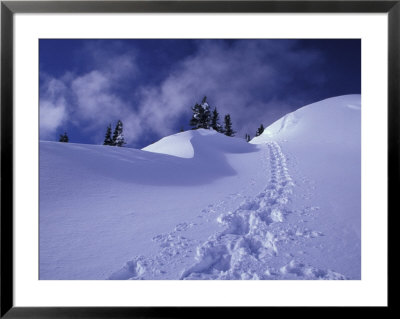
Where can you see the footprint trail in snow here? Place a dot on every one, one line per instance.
(249, 245)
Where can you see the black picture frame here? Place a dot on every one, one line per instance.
(9, 8)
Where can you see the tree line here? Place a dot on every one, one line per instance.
(111, 138)
(202, 117)
(117, 138)
(259, 131)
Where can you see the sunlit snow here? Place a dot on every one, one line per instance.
(201, 205)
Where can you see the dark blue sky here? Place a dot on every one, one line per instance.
(151, 84)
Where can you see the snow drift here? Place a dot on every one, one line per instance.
(200, 205)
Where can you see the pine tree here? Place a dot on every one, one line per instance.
(201, 115)
(63, 138)
(215, 121)
(118, 136)
(247, 137)
(107, 139)
(197, 114)
(260, 130)
(228, 131)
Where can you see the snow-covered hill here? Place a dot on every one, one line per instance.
(323, 141)
(200, 205)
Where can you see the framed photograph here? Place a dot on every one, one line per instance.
(165, 157)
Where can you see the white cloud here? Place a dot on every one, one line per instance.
(232, 77)
(94, 98)
(52, 115)
(251, 80)
(88, 100)
(53, 108)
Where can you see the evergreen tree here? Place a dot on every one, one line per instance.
(201, 115)
(107, 139)
(247, 137)
(260, 130)
(215, 121)
(118, 136)
(63, 138)
(228, 131)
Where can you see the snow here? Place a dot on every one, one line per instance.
(324, 142)
(200, 205)
(176, 145)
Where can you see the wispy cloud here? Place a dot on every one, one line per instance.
(89, 100)
(53, 106)
(254, 81)
(248, 79)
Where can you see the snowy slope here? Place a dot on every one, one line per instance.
(200, 205)
(323, 141)
(100, 206)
